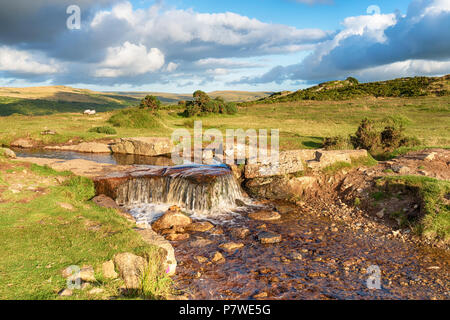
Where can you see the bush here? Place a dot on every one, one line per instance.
(366, 137)
(150, 102)
(134, 118)
(337, 143)
(203, 104)
(231, 108)
(105, 130)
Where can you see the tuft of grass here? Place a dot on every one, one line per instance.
(434, 194)
(104, 129)
(356, 163)
(46, 171)
(379, 195)
(156, 285)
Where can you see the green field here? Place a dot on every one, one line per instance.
(302, 124)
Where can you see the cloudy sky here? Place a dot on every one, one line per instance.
(181, 46)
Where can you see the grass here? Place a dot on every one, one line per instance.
(434, 194)
(303, 124)
(40, 238)
(368, 161)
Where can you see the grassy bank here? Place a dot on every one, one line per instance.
(434, 195)
(47, 223)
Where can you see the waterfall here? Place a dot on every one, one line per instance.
(192, 188)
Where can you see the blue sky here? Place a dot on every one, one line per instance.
(181, 46)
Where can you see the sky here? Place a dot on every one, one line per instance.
(253, 45)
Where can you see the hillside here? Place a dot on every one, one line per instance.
(351, 89)
(54, 99)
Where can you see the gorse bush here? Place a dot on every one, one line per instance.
(137, 118)
(203, 105)
(104, 129)
(151, 103)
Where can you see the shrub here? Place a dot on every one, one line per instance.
(366, 137)
(134, 118)
(231, 108)
(104, 129)
(203, 104)
(337, 143)
(150, 102)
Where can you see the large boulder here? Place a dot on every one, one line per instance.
(23, 143)
(289, 162)
(173, 218)
(143, 146)
(131, 269)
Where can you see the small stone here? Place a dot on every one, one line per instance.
(240, 203)
(200, 243)
(240, 233)
(8, 153)
(96, 291)
(217, 257)
(131, 268)
(231, 246)
(177, 236)
(87, 274)
(380, 214)
(400, 169)
(66, 206)
(296, 256)
(65, 293)
(260, 295)
(201, 259)
(264, 215)
(85, 285)
(200, 226)
(267, 237)
(108, 270)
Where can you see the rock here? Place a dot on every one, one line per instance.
(172, 218)
(240, 233)
(177, 237)
(400, 169)
(264, 215)
(108, 270)
(66, 206)
(200, 226)
(267, 237)
(289, 162)
(200, 243)
(143, 146)
(217, 257)
(296, 255)
(201, 259)
(96, 291)
(48, 132)
(240, 203)
(86, 147)
(65, 293)
(260, 295)
(23, 143)
(8, 153)
(131, 269)
(231, 246)
(380, 214)
(87, 274)
(85, 285)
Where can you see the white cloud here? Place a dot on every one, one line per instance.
(17, 61)
(130, 60)
(171, 67)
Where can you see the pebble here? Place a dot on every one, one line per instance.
(267, 237)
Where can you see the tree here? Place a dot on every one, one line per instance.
(150, 102)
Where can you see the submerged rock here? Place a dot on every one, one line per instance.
(267, 237)
(231, 246)
(200, 226)
(240, 233)
(265, 215)
(177, 236)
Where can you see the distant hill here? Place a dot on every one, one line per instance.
(351, 89)
(230, 96)
(54, 99)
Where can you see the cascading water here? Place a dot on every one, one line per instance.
(196, 189)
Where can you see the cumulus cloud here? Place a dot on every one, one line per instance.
(371, 43)
(130, 59)
(21, 62)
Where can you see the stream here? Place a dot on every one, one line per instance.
(317, 258)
